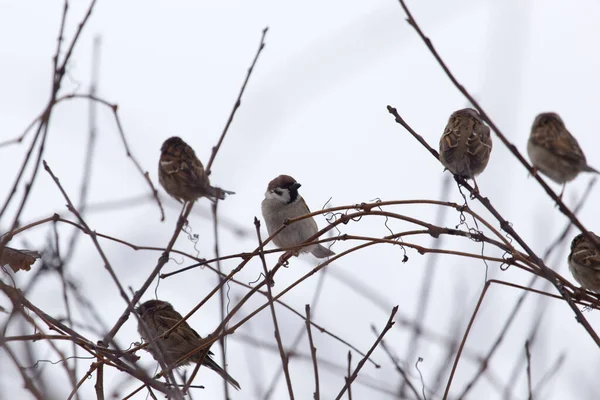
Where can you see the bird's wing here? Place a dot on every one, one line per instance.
(590, 259)
(479, 142)
(185, 331)
(188, 170)
(311, 220)
(563, 145)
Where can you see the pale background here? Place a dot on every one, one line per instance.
(314, 109)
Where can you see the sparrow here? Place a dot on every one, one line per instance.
(584, 262)
(282, 201)
(466, 144)
(182, 175)
(157, 317)
(554, 151)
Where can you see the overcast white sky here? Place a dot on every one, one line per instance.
(315, 108)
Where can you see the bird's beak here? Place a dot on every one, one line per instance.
(295, 186)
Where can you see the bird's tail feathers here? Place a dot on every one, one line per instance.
(218, 193)
(320, 251)
(210, 363)
(590, 169)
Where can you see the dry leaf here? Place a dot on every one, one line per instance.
(19, 259)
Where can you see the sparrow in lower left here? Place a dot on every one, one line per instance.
(466, 144)
(584, 262)
(157, 317)
(282, 202)
(182, 174)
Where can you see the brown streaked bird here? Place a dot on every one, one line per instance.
(282, 201)
(182, 174)
(158, 317)
(584, 262)
(466, 144)
(554, 151)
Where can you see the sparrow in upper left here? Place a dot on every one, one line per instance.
(466, 144)
(157, 317)
(554, 151)
(182, 175)
(282, 202)
(584, 262)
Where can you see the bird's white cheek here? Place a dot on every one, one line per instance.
(270, 196)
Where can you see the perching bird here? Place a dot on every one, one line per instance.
(282, 201)
(157, 317)
(466, 144)
(554, 151)
(182, 175)
(584, 262)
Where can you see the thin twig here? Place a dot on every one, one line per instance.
(268, 278)
(72, 372)
(419, 360)
(313, 354)
(236, 105)
(221, 295)
(388, 326)
(485, 362)
(528, 358)
(115, 110)
(556, 244)
(99, 386)
(464, 339)
(552, 371)
(29, 384)
(299, 335)
(91, 233)
(87, 375)
(397, 366)
(426, 282)
(337, 368)
(348, 382)
(89, 153)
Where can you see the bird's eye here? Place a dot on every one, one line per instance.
(278, 192)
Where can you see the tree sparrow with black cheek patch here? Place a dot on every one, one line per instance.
(282, 201)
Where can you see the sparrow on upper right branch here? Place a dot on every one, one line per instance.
(554, 151)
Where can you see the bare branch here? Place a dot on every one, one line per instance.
(237, 104)
(269, 279)
(313, 354)
(388, 326)
(528, 358)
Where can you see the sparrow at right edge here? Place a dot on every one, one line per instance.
(282, 202)
(554, 151)
(466, 144)
(584, 262)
